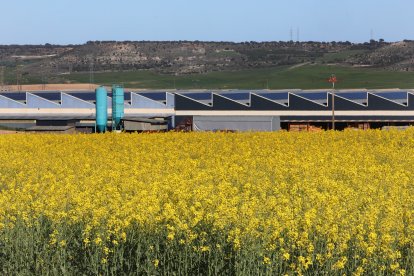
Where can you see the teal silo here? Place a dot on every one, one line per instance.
(101, 108)
(118, 98)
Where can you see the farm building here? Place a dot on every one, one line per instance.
(230, 110)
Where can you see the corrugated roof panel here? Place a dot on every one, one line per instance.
(376, 102)
(400, 97)
(86, 96)
(261, 103)
(90, 96)
(17, 96)
(153, 95)
(182, 102)
(237, 96)
(140, 101)
(51, 96)
(297, 102)
(35, 101)
(221, 102)
(313, 96)
(274, 96)
(353, 95)
(360, 97)
(10, 103)
(69, 101)
(198, 96)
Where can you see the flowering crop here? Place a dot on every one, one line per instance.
(208, 203)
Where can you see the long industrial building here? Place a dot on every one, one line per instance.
(238, 110)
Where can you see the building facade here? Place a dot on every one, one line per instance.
(230, 110)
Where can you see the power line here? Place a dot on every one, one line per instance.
(297, 34)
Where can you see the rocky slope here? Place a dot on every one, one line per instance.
(185, 57)
(398, 56)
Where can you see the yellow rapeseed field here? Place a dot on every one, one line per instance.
(208, 203)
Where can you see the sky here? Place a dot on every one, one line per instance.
(79, 21)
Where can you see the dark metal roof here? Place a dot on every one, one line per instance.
(388, 99)
(51, 96)
(17, 96)
(153, 95)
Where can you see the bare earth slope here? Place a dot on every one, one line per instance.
(398, 56)
(50, 63)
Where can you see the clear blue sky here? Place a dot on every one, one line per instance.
(77, 21)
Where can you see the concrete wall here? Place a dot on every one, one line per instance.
(236, 123)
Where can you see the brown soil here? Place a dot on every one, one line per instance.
(59, 86)
(8, 132)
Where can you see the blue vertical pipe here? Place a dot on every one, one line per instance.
(118, 98)
(101, 108)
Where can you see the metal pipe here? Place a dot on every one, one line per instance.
(333, 105)
(101, 107)
(118, 97)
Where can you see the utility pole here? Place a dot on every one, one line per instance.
(17, 74)
(18, 78)
(333, 105)
(297, 34)
(2, 77)
(91, 75)
(332, 80)
(43, 72)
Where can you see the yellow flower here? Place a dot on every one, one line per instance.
(156, 262)
(86, 241)
(266, 260)
(170, 236)
(62, 243)
(106, 250)
(98, 241)
(358, 272)
(212, 191)
(340, 264)
(123, 236)
(394, 266)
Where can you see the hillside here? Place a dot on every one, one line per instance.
(177, 59)
(397, 56)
